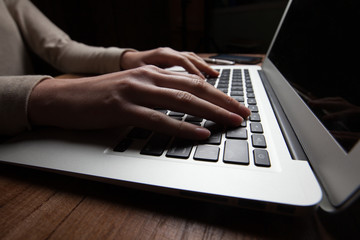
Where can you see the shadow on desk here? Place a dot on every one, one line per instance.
(38, 205)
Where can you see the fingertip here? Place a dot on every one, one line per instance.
(235, 119)
(196, 133)
(247, 112)
(202, 133)
(210, 71)
(215, 73)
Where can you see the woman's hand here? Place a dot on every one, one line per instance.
(128, 98)
(167, 57)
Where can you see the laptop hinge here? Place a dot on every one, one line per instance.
(295, 148)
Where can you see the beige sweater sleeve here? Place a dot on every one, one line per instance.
(54, 46)
(14, 95)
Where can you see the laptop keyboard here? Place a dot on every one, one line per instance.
(235, 142)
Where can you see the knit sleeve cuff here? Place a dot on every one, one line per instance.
(14, 96)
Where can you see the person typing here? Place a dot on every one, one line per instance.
(126, 88)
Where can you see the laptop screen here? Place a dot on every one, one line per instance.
(316, 50)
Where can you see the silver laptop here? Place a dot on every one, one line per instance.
(294, 153)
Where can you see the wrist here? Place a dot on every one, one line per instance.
(126, 59)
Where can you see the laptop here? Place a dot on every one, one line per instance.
(297, 151)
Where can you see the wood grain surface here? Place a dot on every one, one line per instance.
(42, 205)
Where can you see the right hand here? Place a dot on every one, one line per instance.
(165, 57)
(128, 98)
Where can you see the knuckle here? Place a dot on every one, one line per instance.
(113, 101)
(230, 101)
(143, 70)
(156, 117)
(182, 59)
(146, 71)
(184, 97)
(151, 68)
(179, 128)
(126, 85)
(163, 50)
(218, 111)
(198, 83)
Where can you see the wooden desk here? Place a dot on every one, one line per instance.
(42, 205)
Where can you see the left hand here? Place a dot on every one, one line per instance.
(167, 57)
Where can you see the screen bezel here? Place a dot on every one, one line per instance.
(336, 169)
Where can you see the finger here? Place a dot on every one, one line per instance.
(193, 56)
(200, 64)
(188, 65)
(181, 101)
(156, 121)
(147, 93)
(174, 73)
(196, 86)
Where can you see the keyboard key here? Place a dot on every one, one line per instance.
(234, 88)
(255, 117)
(236, 93)
(123, 145)
(164, 111)
(176, 114)
(258, 140)
(249, 90)
(211, 81)
(237, 133)
(215, 138)
(177, 118)
(191, 118)
(239, 98)
(207, 153)
(253, 108)
(223, 85)
(216, 132)
(256, 127)
(236, 83)
(261, 158)
(156, 145)
(224, 90)
(251, 101)
(180, 148)
(236, 151)
(224, 78)
(196, 123)
(226, 71)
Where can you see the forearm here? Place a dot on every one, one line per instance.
(57, 48)
(76, 57)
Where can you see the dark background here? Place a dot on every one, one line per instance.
(242, 26)
(202, 26)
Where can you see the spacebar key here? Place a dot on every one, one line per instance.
(236, 151)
